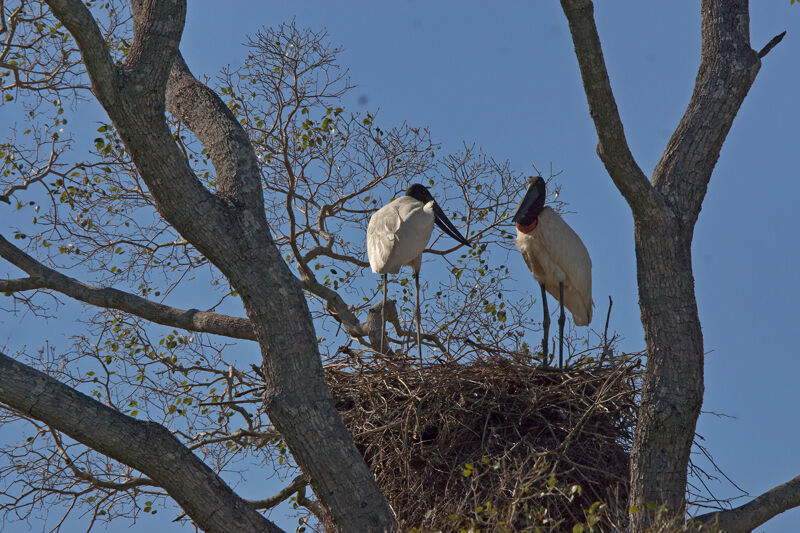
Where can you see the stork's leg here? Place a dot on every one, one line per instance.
(383, 313)
(417, 315)
(545, 325)
(561, 321)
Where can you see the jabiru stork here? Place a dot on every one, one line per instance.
(557, 258)
(398, 233)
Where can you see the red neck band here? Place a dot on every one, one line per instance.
(528, 228)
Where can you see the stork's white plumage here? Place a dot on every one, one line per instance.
(397, 235)
(557, 258)
(555, 254)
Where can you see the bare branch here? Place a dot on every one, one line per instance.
(8, 286)
(202, 110)
(327, 252)
(80, 23)
(191, 319)
(92, 480)
(372, 327)
(771, 44)
(728, 68)
(38, 176)
(268, 503)
(145, 446)
(749, 516)
(311, 505)
(260, 437)
(612, 147)
(336, 305)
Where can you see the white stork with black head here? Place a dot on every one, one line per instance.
(398, 233)
(557, 258)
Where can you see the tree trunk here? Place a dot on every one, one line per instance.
(665, 210)
(672, 389)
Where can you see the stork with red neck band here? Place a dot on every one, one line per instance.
(558, 260)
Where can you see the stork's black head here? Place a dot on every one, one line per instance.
(532, 203)
(422, 194)
(419, 192)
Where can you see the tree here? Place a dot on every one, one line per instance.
(214, 218)
(665, 208)
(147, 211)
(230, 229)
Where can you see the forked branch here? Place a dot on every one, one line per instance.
(612, 146)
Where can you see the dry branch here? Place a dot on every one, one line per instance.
(47, 278)
(145, 446)
(747, 517)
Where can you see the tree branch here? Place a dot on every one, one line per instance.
(43, 277)
(38, 176)
(311, 505)
(146, 446)
(612, 146)
(728, 68)
(235, 162)
(372, 327)
(336, 305)
(157, 29)
(328, 252)
(93, 481)
(268, 503)
(7, 286)
(136, 106)
(261, 437)
(79, 21)
(771, 44)
(747, 517)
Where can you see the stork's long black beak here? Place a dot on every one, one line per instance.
(446, 226)
(524, 207)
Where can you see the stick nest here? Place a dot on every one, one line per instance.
(493, 445)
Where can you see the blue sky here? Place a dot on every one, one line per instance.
(506, 79)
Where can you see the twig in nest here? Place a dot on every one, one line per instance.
(605, 351)
(440, 438)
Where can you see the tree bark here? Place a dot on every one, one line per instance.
(749, 516)
(43, 277)
(665, 210)
(672, 387)
(145, 446)
(229, 227)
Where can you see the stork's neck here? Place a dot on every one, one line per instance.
(529, 227)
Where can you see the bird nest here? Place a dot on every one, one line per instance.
(494, 445)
